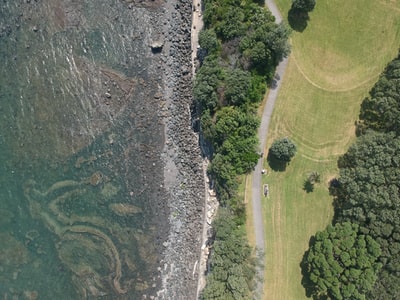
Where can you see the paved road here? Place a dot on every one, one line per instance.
(256, 189)
(274, 10)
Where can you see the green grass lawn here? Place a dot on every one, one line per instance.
(334, 63)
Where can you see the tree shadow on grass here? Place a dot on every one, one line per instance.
(298, 19)
(338, 200)
(334, 186)
(308, 186)
(305, 280)
(276, 164)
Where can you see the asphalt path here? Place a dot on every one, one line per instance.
(257, 189)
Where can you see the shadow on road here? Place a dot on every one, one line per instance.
(273, 84)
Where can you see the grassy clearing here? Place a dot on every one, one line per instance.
(335, 61)
(350, 40)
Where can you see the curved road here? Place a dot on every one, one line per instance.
(256, 188)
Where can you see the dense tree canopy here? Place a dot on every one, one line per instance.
(266, 42)
(244, 46)
(207, 80)
(234, 140)
(369, 195)
(233, 123)
(232, 24)
(237, 87)
(342, 263)
(232, 265)
(367, 192)
(263, 43)
(283, 149)
(381, 110)
(208, 40)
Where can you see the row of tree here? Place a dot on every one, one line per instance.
(240, 48)
(359, 256)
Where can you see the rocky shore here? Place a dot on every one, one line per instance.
(183, 174)
(105, 88)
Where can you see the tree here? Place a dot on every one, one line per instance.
(232, 267)
(303, 5)
(224, 175)
(257, 88)
(368, 193)
(283, 149)
(298, 14)
(208, 40)
(232, 24)
(237, 86)
(233, 136)
(277, 39)
(206, 83)
(233, 122)
(381, 110)
(266, 44)
(341, 263)
(259, 55)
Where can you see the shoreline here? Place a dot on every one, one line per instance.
(183, 165)
(210, 200)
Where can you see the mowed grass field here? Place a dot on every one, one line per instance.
(334, 63)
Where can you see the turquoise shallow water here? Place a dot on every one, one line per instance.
(80, 144)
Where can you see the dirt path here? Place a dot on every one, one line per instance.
(211, 203)
(257, 180)
(197, 25)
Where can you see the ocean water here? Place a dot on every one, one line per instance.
(82, 208)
